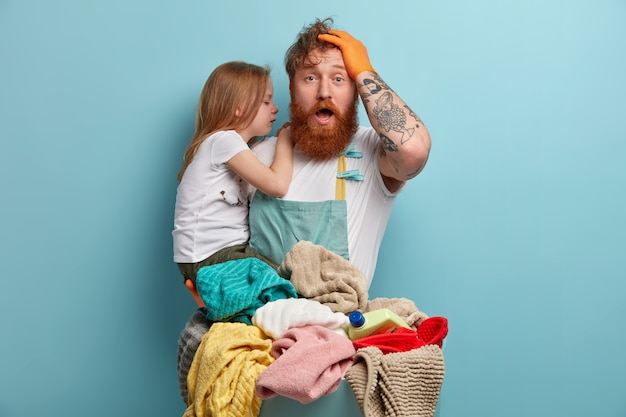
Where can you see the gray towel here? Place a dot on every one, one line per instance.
(190, 338)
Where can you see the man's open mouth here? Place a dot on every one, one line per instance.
(324, 116)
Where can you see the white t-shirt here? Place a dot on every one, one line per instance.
(369, 202)
(211, 201)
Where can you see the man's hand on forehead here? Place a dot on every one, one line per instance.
(353, 51)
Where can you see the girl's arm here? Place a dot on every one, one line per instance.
(273, 180)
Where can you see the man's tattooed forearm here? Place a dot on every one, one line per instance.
(383, 85)
(374, 86)
(387, 145)
(391, 117)
(414, 116)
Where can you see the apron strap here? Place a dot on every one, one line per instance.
(340, 183)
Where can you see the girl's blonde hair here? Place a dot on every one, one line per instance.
(229, 100)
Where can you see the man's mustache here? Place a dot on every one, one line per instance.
(325, 104)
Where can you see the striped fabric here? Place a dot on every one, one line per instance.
(232, 291)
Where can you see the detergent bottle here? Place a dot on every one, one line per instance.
(373, 322)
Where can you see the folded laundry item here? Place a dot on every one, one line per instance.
(404, 384)
(310, 362)
(276, 317)
(234, 290)
(324, 276)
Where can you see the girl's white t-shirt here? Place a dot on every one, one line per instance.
(211, 201)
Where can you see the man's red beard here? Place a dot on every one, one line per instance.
(321, 142)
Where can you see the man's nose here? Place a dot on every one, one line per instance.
(323, 91)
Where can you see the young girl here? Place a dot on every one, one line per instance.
(211, 216)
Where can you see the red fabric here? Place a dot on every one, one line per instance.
(431, 331)
(401, 340)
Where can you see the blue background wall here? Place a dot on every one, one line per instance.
(515, 231)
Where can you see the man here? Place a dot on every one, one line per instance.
(346, 177)
(328, 70)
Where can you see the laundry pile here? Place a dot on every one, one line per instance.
(266, 332)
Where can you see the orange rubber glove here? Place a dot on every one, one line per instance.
(353, 51)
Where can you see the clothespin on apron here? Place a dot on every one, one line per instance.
(343, 174)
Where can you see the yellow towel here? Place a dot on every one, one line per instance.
(222, 377)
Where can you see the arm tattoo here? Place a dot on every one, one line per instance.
(374, 86)
(391, 117)
(386, 110)
(414, 116)
(387, 145)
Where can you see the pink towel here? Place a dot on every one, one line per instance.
(310, 362)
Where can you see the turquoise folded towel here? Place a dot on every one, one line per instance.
(232, 291)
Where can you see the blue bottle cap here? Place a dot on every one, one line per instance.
(356, 319)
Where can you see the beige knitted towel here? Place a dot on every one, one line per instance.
(403, 307)
(321, 275)
(404, 384)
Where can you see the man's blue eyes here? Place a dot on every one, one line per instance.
(312, 78)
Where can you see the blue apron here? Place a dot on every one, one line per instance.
(276, 224)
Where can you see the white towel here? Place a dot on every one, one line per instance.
(276, 317)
